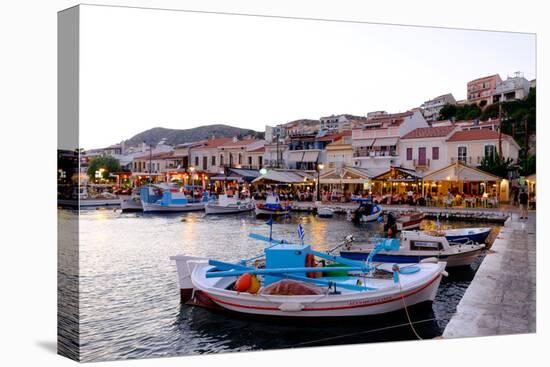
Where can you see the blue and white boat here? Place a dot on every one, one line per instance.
(154, 199)
(413, 247)
(463, 235)
(272, 206)
(296, 281)
(367, 211)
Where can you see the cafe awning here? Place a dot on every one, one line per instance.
(399, 174)
(460, 172)
(286, 177)
(346, 175)
(303, 156)
(362, 142)
(385, 142)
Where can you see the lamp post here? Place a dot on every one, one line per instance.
(320, 166)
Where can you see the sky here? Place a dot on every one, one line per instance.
(141, 69)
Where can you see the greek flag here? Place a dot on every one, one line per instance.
(301, 233)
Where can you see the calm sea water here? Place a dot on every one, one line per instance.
(129, 295)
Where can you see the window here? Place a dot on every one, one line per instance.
(490, 151)
(221, 159)
(409, 154)
(213, 160)
(435, 153)
(196, 161)
(462, 154)
(260, 161)
(240, 158)
(204, 163)
(250, 161)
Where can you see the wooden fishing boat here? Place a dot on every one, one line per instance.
(414, 246)
(325, 212)
(229, 205)
(409, 220)
(272, 207)
(132, 203)
(292, 284)
(463, 235)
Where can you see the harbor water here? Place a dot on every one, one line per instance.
(129, 300)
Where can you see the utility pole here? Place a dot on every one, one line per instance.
(526, 141)
(500, 131)
(277, 149)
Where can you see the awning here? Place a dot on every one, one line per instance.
(385, 142)
(285, 176)
(303, 156)
(460, 172)
(362, 142)
(349, 175)
(226, 178)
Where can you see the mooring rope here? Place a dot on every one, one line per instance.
(406, 310)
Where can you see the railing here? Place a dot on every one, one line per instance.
(421, 163)
(462, 159)
(375, 154)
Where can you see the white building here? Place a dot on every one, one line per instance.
(516, 87)
(375, 143)
(338, 123)
(431, 108)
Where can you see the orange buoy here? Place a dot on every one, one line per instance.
(243, 282)
(254, 285)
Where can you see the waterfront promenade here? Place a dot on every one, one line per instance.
(502, 297)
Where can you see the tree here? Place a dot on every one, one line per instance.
(107, 163)
(495, 165)
(447, 112)
(531, 165)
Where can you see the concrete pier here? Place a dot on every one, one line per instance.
(502, 297)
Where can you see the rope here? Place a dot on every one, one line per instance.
(360, 332)
(406, 310)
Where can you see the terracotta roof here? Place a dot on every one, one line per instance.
(484, 77)
(480, 134)
(429, 132)
(334, 136)
(156, 155)
(216, 142)
(260, 149)
(238, 143)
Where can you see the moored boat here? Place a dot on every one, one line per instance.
(409, 220)
(229, 205)
(292, 284)
(367, 211)
(414, 246)
(154, 200)
(132, 203)
(463, 235)
(325, 212)
(272, 207)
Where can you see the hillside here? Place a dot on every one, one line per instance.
(179, 136)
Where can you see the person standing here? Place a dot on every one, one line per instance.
(523, 201)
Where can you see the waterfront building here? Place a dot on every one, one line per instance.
(375, 142)
(340, 152)
(469, 147)
(480, 91)
(431, 108)
(425, 149)
(235, 153)
(275, 154)
(305, 151)
(513, 88)
(204, 156)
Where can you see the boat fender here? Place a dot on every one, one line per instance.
(310, 263)
(243, 282)
(444, 273)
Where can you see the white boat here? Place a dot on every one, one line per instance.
(272, 207)
(229, 205)
(414, 246)
(366, 212)
(132, 204)
(409, 220)
(81, 198)
(292, 286)
(155, 200)
(325, 212)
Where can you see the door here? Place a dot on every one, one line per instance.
(422, 156)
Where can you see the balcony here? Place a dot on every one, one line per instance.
(421, 163)
(462, 159)
(374, 154)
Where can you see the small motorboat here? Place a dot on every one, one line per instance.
(272, 207)
(367, 211)
(154, 200)
(463, 235)
(325, 212)
(229, 205)
(409, 220)
(413, 246)
(292, 280)
(132, 204)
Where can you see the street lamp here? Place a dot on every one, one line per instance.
(319, 168)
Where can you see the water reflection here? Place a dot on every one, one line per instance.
(129, 296)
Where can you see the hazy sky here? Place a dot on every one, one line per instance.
(143, 68)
